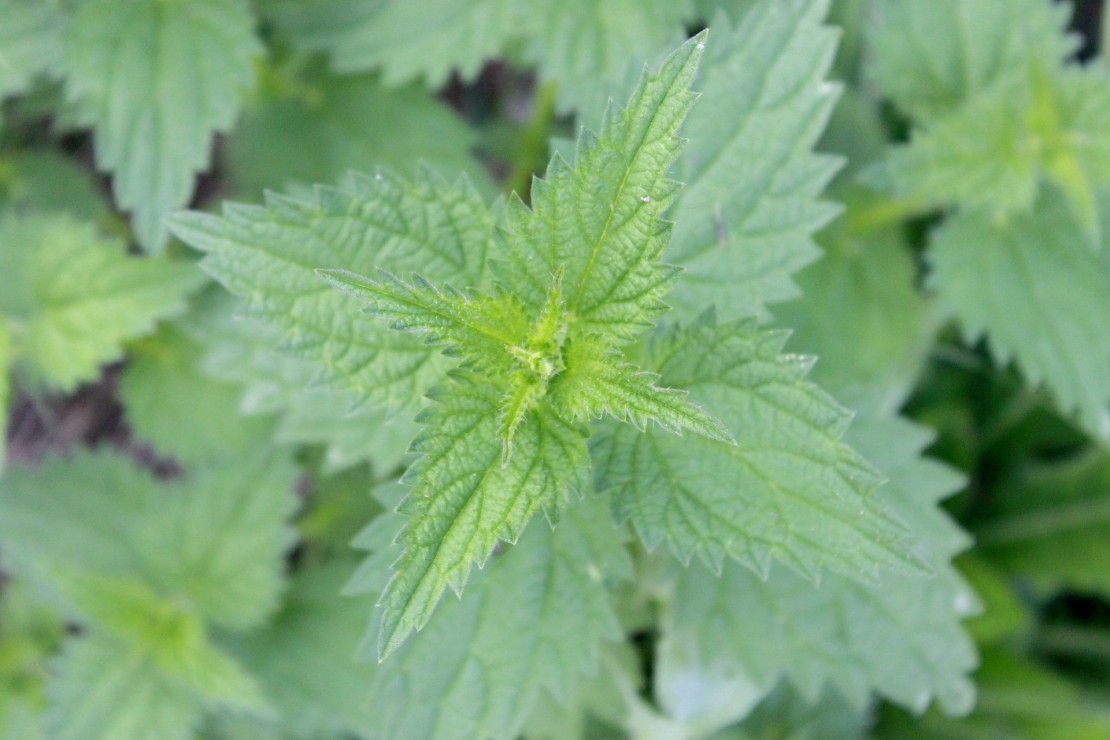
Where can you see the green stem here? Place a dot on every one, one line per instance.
(531, 149)
(1080, 642)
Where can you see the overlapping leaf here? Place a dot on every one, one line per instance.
(1015, 281)
(269, 256)
(72, 297)
(30, 42)
(790, 489)
(930, 58)
(744, 222)
(155, 79)
(534, 621)
(899, 637)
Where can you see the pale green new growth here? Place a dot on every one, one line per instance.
(155, 79)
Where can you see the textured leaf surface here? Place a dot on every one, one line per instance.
(1051, 526)
(240, 350)
(534, 620)
(72, 297)
(269, 255)
(744, 222)
(790, 489)
(353, 123)
(1015, 281)
(214, 543)
(599, 221)
(155, 79)
(464, 500)
(932, 57)
(106, 690)
(900, 637)
(30, 42)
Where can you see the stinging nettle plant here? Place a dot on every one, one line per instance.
(536, 349)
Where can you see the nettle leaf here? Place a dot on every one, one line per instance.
(269, 256)
(241, 351)
(155, 79)
(789, 489)
(170, 403)
(213, 543)
(1014, 279)
(586, 47)
(1051, 529)
(354, 123)
(30, 43)
(995, 152)
(744, 223)
(534, 621)
(406, 40)
(899, 637)
(598, 223)
(930, 58)
(71, 297)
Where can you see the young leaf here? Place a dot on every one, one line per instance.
(533, 622)
(932, 57)
(72, 297)
(744, 222)
(30, 42)
(789, 489)
(899, 637)
(599, 222)
(1014, 279)
(269, 255)
(156, 79)
(465, 499)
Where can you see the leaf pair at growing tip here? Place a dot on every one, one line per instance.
(541, 358)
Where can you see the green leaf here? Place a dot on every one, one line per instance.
(465, 499)
(269, 255)
(995, 152)
(861, 314)
(406, 40)
(155, 79)
(789, 489)
(240, 350)
(599, 222)
(1050, 528)
(930, 58)
(40, 179)
(304, 658)
(354, 123)
(106, 689)
(30, 43)
(214, 543)
(170, 403)
(535, 620)
(745, 220)
(1014, 280)
(72, 297)
(587, 48)
(900, 637)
